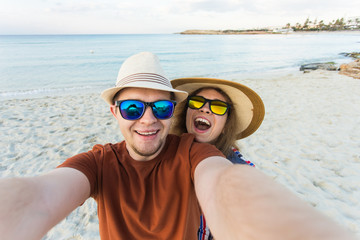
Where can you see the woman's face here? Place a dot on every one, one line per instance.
(205, 125)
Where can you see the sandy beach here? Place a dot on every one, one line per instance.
(309, 141)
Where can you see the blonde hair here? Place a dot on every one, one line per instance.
(227, 138)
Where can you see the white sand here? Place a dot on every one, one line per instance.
(309, 141)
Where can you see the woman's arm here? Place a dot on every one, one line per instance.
(240, 202)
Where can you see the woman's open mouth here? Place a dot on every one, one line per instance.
(201, 123)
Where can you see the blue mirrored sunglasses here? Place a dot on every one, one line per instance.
(134, 109)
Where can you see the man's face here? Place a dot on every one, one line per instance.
(146, 136)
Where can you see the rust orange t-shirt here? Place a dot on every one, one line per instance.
(152, 199)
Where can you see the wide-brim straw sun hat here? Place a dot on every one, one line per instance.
(142, 70)
(247, 104)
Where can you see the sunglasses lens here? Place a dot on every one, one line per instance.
(218, 107)
(131, 109)
(163, 109)
(196, 102)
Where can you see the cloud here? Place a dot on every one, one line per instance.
(78, 7)
(211, 6)
(162, 16)
(284, 8)
(216, 5)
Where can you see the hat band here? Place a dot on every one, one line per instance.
(144, 77)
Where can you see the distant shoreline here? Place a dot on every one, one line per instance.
(255, 32)
(222, 32)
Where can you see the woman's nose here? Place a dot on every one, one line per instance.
(205, 108)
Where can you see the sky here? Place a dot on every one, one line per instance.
(162, 16)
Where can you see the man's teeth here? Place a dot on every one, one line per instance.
(147, 133)
(202, 121)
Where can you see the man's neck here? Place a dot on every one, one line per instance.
(141, 157)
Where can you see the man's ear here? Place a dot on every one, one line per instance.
(113, 110)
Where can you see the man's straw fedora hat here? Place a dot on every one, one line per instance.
(142, 70)
(247, 104)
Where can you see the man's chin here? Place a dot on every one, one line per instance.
(148, 153)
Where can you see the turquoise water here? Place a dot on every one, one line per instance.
(57, 64)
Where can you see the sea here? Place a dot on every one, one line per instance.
(38, 65)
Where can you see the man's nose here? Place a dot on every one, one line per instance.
(148, 117)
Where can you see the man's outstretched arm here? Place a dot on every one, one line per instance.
(31, 206)
(240, 202)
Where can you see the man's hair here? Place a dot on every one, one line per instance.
(115, 97)
(227, 138)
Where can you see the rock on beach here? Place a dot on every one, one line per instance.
(351, 69)
(315, 66)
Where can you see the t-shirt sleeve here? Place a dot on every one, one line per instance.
(87, 163)
(198, 151)
(201, 151)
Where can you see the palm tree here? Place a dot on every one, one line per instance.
(357, 22)
(306, 23)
